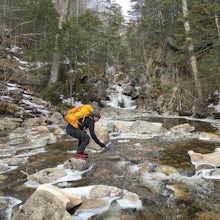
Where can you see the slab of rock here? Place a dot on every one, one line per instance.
(144, 127)
(212, 159)
(89, 204)
(48, 175)
(182, 128)
(105, 191)
(209, 135)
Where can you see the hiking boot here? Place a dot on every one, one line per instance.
(82, 155)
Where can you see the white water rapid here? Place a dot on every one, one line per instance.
(119, 100)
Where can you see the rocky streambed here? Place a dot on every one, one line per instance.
(163, 184)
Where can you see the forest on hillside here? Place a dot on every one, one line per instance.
(168, 50)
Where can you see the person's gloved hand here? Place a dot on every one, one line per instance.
(102, 145)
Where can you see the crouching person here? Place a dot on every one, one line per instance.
(79, 132)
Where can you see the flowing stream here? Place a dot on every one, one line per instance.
(201, 201)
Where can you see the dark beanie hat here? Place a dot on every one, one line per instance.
(96, 114)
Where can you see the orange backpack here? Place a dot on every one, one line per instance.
(78, 112)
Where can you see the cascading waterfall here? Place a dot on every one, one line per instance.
(119, 100)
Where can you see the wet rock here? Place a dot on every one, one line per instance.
(144, 127)
(130, 200)
(56, 118)
(2, 178)
(112, 127)
(204, 167)
(146, 167)
(41, 129)
(51, 202)
(212, 159)
(30, 122)
(35, 137)
(102, 174)
(206, 215)
(48, 175)
(59, 132)
(152, 181)
(89, 204)
(208, 135)
(68, 200)
(43, 204)
(14, 161)
(10, 123)
(105, 191)
(76, 164)
(109, 112)
(180, 191)
(182, 128)
(166, 169)
(41, 139)
(19, 133)
(102, 134)
(123, 127)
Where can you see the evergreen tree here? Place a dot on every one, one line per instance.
(154, 21)
(33, 24)
(111, 47)
(82, 36)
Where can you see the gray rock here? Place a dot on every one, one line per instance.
(42, 205)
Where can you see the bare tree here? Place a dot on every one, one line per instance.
(217, 26)
(65, 11)
(192, 56)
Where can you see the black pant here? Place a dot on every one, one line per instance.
(82, 137)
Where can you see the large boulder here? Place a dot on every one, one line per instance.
(144, 127)
(102, 134)
(48, 202)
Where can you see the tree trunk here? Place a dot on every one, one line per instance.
(55, 66)
(217, 26)
(64, 9)
(192, 59)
